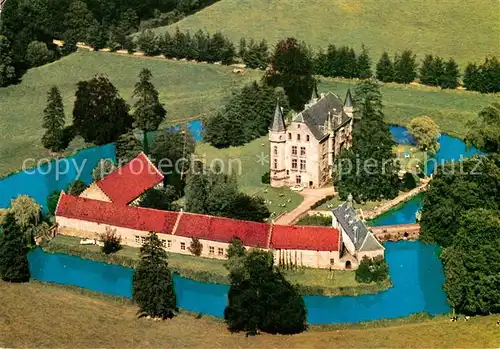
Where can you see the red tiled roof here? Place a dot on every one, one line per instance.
(128, 182)
(143, 219)
(305, 238)
(223, 229)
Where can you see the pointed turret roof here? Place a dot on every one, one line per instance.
(314, 94)
(348, 99)
(278, 121)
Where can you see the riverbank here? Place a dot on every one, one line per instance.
(93, 320)
(309, 281)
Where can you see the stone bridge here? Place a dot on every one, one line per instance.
(396, 232)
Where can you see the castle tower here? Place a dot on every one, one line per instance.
(348, 104)
(277, 143)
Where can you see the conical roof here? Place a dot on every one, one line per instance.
(348, 99)
(278, 124)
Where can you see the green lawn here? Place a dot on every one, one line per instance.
(40, 315)
(188, 90)
(315, 281)
(465, 30)
(250, 162)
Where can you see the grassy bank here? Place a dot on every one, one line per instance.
(446, 28)
(309, 281)
(73, 318)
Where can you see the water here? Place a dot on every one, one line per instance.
(415, 270)
(403, 214)
(56, 175)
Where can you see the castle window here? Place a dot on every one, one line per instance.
(298, 179)
(307, 138)
(275, 150)
(220, 251)
(302, 151)
(183, 246)
(289, 135)
(294, 150)
(163, 243)
(302, 165)
(143, 239)
(298, 137)
(294, 164)
(169, 243)
(211, 250)
(275, 163)
(137, 239)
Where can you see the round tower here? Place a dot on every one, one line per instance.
(277, 143)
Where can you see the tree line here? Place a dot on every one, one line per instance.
(30, 26)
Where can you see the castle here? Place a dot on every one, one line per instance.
(303, 151)
(111, 204)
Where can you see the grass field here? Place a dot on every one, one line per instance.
(44, 315)
(250, 162)
(465, 30)
(189, 91)
(329, 283)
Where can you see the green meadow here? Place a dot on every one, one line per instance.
(464, 30)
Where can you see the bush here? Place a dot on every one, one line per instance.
(266, 178)
(52, 201)
(77, 187)
(372, 270)
(148, 43)
(37, 54)
(196, 247)
(112, 241)
(316, 220)
(409, 181)
(322, 201)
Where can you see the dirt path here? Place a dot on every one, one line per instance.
(311, 196)
(401, 198)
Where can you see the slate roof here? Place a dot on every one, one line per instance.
(278, 124)
(347, 218)
(290, 237)
(127, 183)
(348, 99)
(316, 115)
(371, 243)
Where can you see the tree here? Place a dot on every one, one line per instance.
(451, 75)
(236, 249)
(426, 133)
(405, 67)
(97, 36)
(7, 70)
(112, 241)
(53, 122)
(100, 115)
(260, 299)
(255, 55)
(455, 188)
(76, 187)
(27, 213)
(472, 77)
(427, 74)
(171, 152)
(409, 181)
(37, 54)
(485, 77)
(160, 199)
(385, 68)
(13, 252)
(196, 247)
(484, 131)
(52, 201)
(246, 117)
(364, 70)
(103, 168)
(147, 41)
(149, 113)
(78, 20)
(153, 287)
(471, 264)
(292, 68)
(367, 170)
(127, 147)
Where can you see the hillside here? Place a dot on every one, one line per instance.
(90, 320)
(465, 30)
(189, 91)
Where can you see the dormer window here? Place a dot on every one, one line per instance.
(307, 138)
